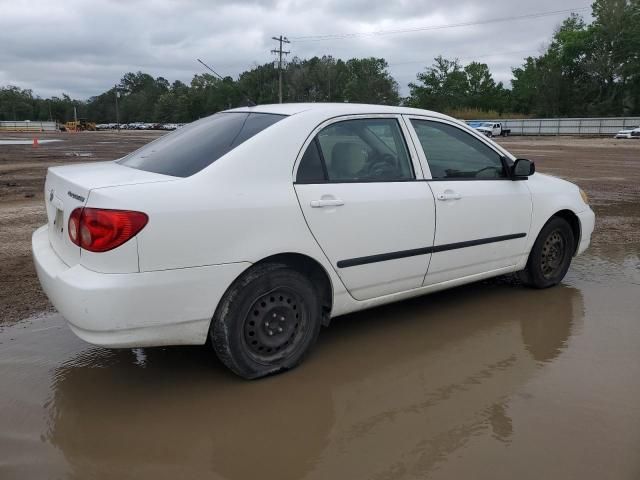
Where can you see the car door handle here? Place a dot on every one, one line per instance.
(449, 195)
(328, 202)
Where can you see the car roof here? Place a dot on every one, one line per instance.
(333, 109)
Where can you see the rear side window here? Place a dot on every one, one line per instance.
(311, 169)
(192, 148)
(360, 150)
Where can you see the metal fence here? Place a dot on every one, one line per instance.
(28, 126)
(605, 126)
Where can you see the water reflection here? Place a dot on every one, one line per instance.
(391, 391)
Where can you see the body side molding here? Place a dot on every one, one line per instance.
(382, 257)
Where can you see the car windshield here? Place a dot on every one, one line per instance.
(196, 146)
(487, 125)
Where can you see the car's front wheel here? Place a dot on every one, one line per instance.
(267, 321)
(550, 256)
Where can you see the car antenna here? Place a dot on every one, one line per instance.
(250, 103)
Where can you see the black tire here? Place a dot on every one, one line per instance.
(550, 256)
(267, 321)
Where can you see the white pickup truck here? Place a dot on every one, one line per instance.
(492, 129)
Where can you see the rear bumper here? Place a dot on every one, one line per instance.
(168, 307)
(587, 223)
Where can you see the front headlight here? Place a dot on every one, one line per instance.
(585, 199)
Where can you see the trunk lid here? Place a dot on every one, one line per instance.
(68, 187)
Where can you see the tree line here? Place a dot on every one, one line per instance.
(586, 70)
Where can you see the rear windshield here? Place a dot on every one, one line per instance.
(190, 149)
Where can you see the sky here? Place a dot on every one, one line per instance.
(83, 47)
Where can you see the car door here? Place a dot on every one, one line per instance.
(373, 217)
(482, 216)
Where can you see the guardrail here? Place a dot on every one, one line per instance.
(605, 126)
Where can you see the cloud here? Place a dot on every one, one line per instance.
(83, 48)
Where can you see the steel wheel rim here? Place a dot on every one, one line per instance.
(553, 253)
(275, 325)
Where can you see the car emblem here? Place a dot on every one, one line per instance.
(51, 195)
(75, 196)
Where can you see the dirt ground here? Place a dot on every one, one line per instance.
(607, 169)
(487, 381)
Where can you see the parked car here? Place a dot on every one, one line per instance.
(628, 133)
(255, 226)
(492, 129)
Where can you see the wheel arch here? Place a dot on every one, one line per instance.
(307, 266)
(314, 270)
(574, 222)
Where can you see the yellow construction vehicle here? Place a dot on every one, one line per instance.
(80, 126)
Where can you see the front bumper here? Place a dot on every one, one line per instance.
(167, 307)
(587, 223)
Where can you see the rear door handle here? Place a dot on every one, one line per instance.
(449, 195)
(328, 202)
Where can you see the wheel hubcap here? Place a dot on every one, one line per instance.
(553, 252)
(274, 324)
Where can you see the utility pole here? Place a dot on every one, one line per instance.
(117, 110)
(280, 52)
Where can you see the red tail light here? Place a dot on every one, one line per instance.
(99, 230)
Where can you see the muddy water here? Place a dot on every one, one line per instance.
(486, 381)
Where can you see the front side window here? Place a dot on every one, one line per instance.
(455, 154)
(362, 150)
(196, 146)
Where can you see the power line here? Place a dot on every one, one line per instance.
(340, 36)
(280, 52)
(250, 103)
(210, 69)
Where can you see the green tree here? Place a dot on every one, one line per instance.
(369, 81)
(587, 69)
(442, 86)
(482, 91)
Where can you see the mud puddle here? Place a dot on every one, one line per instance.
(18, 141)
(490, 380)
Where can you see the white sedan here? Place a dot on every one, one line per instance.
(255, 226)
(628, 133)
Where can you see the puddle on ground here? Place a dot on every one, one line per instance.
(490, 380)
(20, 141)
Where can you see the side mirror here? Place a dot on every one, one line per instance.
(522, 168)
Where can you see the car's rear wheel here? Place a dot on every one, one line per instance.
(267, 321)
(550, 256)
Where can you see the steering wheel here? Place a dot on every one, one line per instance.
(381, 166)
(497, 170)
